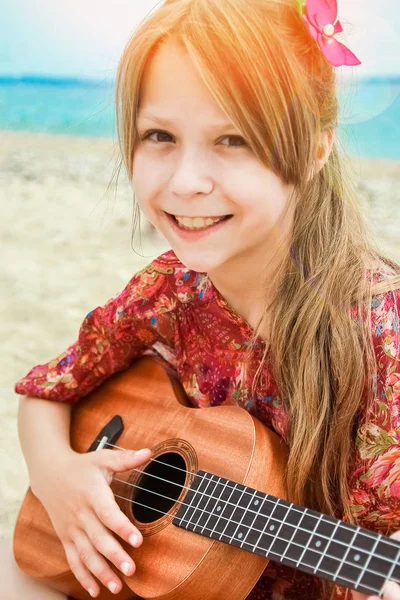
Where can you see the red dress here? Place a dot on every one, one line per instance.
(176, 313)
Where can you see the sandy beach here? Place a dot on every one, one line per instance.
(66, 248)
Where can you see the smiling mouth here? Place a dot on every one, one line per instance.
(197, 223)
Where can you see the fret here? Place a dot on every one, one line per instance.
(225, 520)
(263, 534)
(321, 540)
(194, 498)
(297, 532)
(316, 556)
(327, 559)
(205, 506)
(256, 521)
(360, 583)
(279, 543)
(382, 563)
(309, 537)
(223, 509)
(236, 516)
(290, 534)
(344, 569)
(219, 509)
(360, 546)
(241, 530)
(356, 560)
(394, 554)
(207, 522)
(192, 495)
(288, 554)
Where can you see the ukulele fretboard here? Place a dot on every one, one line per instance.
(223, 510)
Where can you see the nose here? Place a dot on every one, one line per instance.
(192, 175)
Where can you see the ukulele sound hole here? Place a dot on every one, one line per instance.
(171, 469)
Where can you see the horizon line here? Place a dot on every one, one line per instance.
(43, 79)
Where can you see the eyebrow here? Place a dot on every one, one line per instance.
(167, 122)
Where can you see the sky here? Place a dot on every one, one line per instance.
(84, 38)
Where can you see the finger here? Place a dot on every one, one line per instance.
(113, 518)
(79, 570)
(119, 461)
(96, 563)
(107, 545)
(391, 591)
(357, 596)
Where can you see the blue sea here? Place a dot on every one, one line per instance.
(369, 121)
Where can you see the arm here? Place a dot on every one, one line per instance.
(110, 338)
(43, 429)
(74, 490)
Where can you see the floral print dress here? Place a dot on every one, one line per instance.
(172, 312)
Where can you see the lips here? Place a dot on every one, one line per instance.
(197, 223)
(192, 233)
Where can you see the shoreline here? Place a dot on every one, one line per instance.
(66, 240)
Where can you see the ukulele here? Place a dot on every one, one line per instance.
(210, 502)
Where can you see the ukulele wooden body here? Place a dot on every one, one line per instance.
(172, 563)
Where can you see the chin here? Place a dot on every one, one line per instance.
(198, 261)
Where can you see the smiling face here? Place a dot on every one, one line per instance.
(192, 162)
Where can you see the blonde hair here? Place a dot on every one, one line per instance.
(269, 76)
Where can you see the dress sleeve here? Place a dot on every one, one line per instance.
(110, 338)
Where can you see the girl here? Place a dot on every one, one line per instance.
(273, 297)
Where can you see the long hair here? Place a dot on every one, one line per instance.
(269, 76)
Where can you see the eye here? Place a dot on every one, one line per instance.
(237, 138)
(148, 135)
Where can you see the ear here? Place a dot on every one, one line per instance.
(324, 150)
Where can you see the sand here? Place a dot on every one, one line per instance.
(66, 248)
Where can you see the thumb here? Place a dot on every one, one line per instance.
(118, 461)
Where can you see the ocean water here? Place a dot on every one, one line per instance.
(369, 119)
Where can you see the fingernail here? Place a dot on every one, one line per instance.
(112, 586)
(92, 592)
(142, 451)
(125, 567)
(133, 539)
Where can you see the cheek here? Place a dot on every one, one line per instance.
(263, 209)
(263, 194)
(257, 190)
(143, 182)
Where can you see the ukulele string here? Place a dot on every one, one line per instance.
(203, 511)
(293, 508)
(379, 574)
(158, 461)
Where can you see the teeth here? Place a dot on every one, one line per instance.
(197, 222)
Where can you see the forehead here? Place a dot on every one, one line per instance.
(172, 88)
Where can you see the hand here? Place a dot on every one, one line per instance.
(391, 590)
(76, 494)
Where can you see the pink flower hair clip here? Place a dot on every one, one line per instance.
(320, 17)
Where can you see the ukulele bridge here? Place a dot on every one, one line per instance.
(109, 434)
